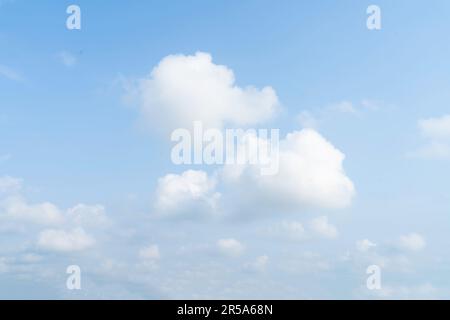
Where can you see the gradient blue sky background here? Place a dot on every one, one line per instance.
(66, 131)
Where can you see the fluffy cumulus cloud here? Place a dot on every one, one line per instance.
(230, 247)
(65, 241)
(190, 192)
(412, 242)
(182, 89)
(16, 208)
(436, 131)
(53, 229)
(310, 174)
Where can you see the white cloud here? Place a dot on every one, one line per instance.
(412, 242)
(18, 214)
(364, 245)
(295, 231)
(67, 58)
(17, 208)
(150, 253)
(312, 119)
(9, 184)
(88, 215)
(230, 247)
(65, 241)
(437, 133)
(10, 73)
(322, 227)
(310, 175)
(183, 194)
(393, 256)
(182, 89)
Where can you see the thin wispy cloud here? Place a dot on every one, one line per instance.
(313, 118)
(10, 73)
(67, 58)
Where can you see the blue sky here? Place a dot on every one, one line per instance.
(73, 131)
